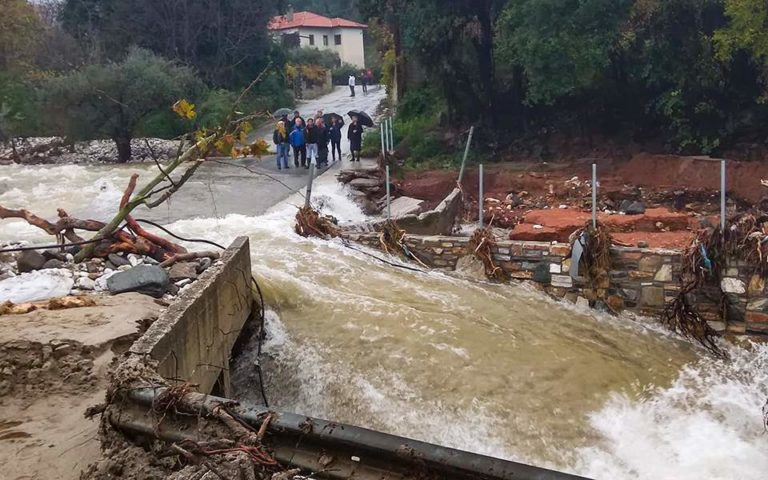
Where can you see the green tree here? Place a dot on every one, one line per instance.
(111, 100)
(225, 40)
(746, 31)
(20, 30)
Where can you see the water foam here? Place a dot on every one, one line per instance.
(708, 424)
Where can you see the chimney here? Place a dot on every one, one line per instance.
(289, 13)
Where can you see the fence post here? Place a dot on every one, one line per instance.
(466, 153)
(383, 148)
(389, 210)
(594, 195)
(309, 185)
(722, 196)
(481, 197)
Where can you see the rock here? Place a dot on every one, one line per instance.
(183, 283)
(402, 206)
(93, 266)
(664, 274)
(53, 263)
(110, 266)
(52, 254)
(101, 282)
(635, 208)
(117, 260)
(582, 302)
(733, 285)
(642, 244)
(148, 279)
(173, 289)
(615, 303)
(203, 264)
(182, 271)
(652, 297)
(513, 200)
(30, 261)
(366, 184)
(135, 259)
(542, 274)
(85, 283)
(624, 205)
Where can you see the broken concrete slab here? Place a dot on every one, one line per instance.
(403, 206)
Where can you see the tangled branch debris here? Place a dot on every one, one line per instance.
(310, 223)
(596, 259)
(704, 263)
(482, 243)
(392, 240)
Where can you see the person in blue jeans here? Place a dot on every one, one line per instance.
(280, 138)
(299, 144)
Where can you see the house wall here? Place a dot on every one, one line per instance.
(351, 50)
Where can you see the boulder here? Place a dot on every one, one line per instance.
(117, 260)
(54, 255)
(402, 206)
(148, 279)
(635, 208)
(366, 184)
(29, 261)
(54, 263)
(183, 271)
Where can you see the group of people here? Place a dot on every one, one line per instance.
(310, 140)
(367, 78)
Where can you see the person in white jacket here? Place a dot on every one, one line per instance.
(352, 85)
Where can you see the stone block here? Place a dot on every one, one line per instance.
(756, 286)
(650, 264)
(511, 266)
(615, 302)
(664, 274)
(530, 265)
(555, 268)
(638, 275)
(560, 250)
(528, 252)
(521, 275)
(630, 294)
(757, 317)
(758, 305)
(719, 327)
(541, 273)
(652, 297)
(738, 328)
(733, 285)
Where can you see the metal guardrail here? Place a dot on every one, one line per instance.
(334, 450)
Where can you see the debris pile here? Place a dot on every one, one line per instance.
(481, 244)
(56, 150)
(32, 276)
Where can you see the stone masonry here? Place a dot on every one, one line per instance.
(641, 280)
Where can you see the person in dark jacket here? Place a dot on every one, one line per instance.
(355, 137)
(311, 138)
(298, 143)
(334, 133)
(297, 116)
(323, 137)
(280, 138)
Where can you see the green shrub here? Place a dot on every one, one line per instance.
(313, 56)
(341, 74)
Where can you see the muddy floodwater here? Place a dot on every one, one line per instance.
(499, 370)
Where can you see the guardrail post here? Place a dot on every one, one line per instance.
(309, 185)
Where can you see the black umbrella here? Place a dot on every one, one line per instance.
(362, 118)
(282, 112)
(330, 116)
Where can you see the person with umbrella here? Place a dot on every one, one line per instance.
(334, 134)
(355, 137)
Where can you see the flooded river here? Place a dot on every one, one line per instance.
(499, 370)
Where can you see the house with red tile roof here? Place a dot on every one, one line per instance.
(342, 36)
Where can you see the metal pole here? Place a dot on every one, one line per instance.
(309, 185)
(481, 196)
(389, 137)
(392, 134)
(383, 148)
(466, 153)
(389, 211)
(722, 196)
(594, 195)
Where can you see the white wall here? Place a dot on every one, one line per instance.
(351, 50)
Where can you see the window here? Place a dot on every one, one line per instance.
(337, 39)
(325, 40)
(311, 39)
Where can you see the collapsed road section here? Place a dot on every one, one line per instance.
(160, 420)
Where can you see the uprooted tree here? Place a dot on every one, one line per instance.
(123, 233)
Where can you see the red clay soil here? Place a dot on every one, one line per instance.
(695, 173)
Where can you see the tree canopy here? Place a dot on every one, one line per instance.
(110, 100)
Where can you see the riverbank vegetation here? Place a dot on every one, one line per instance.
(542, 78)
(107, 69)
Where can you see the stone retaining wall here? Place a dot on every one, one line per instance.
(642, 280)
(192, 340)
